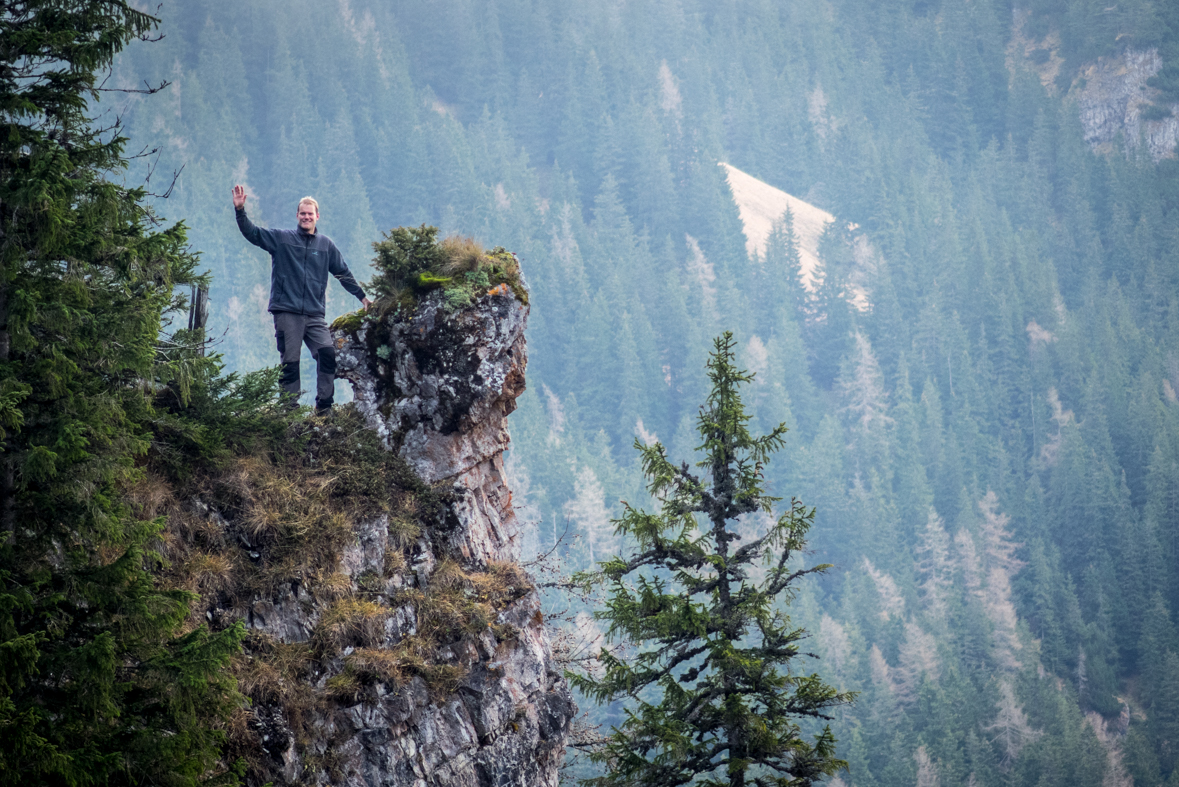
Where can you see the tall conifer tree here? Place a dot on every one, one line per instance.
(99, 684)
(713, 643)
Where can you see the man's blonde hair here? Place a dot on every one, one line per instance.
(310, 200)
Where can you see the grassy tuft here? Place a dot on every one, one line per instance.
(288, 517)
(460, 602)
(350, 622)
(207, 573)
(345, 687)
(394, 561)
(285, 524)
(443, 680)
(273, 672)
(244, 744)
(457, 604)
(393, 667)
(387, 666)
(463, 255)
(403, 531)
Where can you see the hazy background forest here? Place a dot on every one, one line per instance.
(990, 433)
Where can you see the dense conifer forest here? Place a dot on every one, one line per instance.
(981, 389)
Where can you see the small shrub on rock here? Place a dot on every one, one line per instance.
(412, 262)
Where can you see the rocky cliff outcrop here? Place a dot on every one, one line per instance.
(1111, 95)
(438, 385)
(393, 639)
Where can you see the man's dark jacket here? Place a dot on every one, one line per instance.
(300, 264)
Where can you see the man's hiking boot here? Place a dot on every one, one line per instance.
(323, 408)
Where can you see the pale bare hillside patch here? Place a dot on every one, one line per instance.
(760, 205)
(1111, 733)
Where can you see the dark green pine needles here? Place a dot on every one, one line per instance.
(102, 680)
(713, 696)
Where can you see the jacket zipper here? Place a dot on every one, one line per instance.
(306, 248)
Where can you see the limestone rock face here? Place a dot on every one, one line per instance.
(506, 725)
(438, 385)
(1111, 99)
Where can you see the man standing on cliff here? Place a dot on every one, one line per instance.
(300, 261)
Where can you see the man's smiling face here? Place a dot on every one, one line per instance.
(307, 216)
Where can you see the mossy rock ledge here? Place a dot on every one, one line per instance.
(394, 640)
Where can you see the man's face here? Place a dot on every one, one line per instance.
(307, 216)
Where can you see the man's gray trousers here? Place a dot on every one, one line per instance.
(290, 331)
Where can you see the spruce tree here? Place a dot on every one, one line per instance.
(714, 694)
(784, 264)
(101, 680)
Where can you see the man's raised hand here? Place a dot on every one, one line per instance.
(239, 197)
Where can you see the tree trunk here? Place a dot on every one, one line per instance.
(198, 313)
(722, 481)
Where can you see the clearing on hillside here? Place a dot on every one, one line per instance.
(760, 205)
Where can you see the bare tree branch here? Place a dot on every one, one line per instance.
(146, 90)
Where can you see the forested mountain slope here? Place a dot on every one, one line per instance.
(992, 442)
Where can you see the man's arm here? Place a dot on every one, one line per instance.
(262, 238)
(339, 269)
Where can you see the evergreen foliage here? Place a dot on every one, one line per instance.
(101, 679)
(713, 643)
(411, 261)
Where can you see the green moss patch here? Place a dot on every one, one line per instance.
(351, 322)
